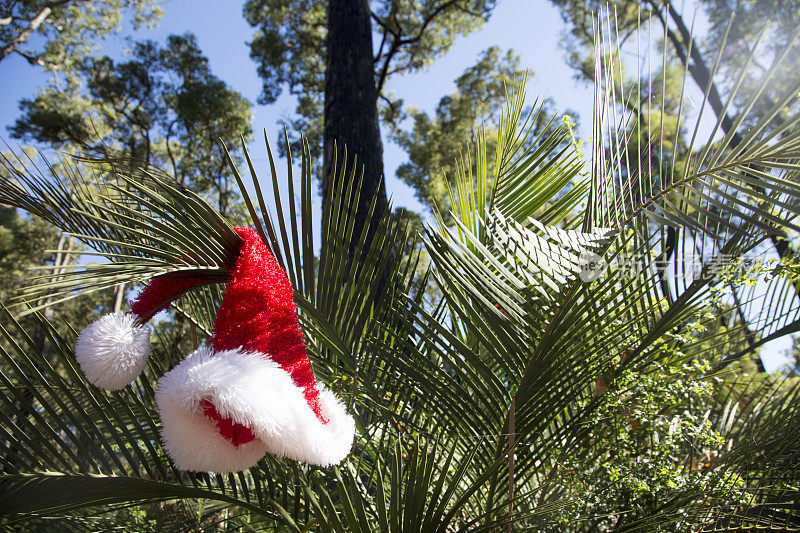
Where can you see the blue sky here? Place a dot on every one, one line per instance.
(532, 29)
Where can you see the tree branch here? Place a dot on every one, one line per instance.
(432, 15)
(385, 68)
(57, 3)
(392, 106)
(33, 60)
(167, 140)
(398, 41)
(33, 25)
(23, 36)
(377, 19)
(380, 48)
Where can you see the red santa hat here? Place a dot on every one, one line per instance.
(248, 391)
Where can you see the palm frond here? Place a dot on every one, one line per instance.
(143, 222)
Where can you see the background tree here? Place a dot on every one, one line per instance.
(67, 29)
(317, 48)
(772, 21)
(705, 64)
(162, 107)
(430, 142)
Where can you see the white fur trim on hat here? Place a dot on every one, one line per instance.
(112, 351)
(256, 392)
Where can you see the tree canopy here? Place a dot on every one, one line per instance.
(288, 47)
(323, 52)
(65, 31)
(163, 106)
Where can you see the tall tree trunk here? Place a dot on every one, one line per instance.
(119, 297)
(351, 105)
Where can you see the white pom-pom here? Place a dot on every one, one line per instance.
(113, 350)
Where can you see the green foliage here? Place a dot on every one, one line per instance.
(653, 438)
(163, 106)
(28, 243)
(288, 47)
(21, 243)
(434, 144)
(520, 362)
(67, 31)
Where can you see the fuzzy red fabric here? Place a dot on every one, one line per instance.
(237, 434)
(160, 293)
(258, 314)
